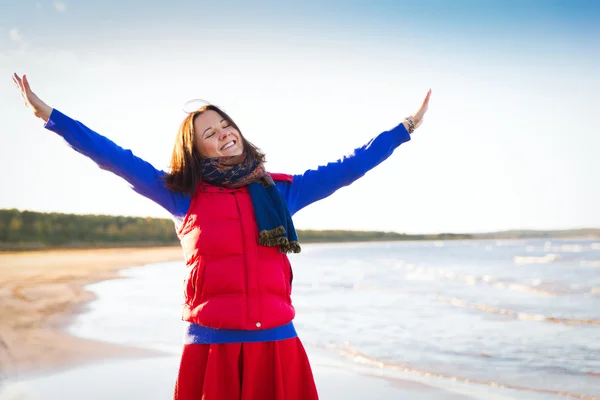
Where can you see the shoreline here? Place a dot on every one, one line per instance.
(41, 292)
(21, 249)
(44, 291)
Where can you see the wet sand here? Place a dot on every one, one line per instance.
(41, 291)
(153, 378)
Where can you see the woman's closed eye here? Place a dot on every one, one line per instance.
(213, 132)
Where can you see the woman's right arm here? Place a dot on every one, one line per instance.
(141, 175)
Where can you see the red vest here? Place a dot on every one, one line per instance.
(231, 281)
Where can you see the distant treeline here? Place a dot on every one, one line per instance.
(28, 229)
(526, 234)
(20, 230)
(310, 236)
(35, 229)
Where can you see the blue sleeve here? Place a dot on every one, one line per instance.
(141, 175)
(317, 184)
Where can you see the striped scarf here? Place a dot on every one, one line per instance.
(273, 218)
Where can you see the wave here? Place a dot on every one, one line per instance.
(349, 352)
(562, 248)
(516, 314)
(591, 263)
(566, 248)
(425, 273)
(548, 258)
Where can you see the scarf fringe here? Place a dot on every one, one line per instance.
(293, 247)
(272, 233)
(274, 237)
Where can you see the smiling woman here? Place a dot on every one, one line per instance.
(207, 133)
(234, 221)
(220, 138)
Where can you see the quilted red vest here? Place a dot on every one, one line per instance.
(231, 281)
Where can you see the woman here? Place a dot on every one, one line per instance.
(234, 223)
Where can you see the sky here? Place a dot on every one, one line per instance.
(511, 139)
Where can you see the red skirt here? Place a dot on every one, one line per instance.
(245, 371)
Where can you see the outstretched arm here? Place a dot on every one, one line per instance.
(141, 175)
(319, 183)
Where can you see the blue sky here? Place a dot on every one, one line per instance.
(510, 141)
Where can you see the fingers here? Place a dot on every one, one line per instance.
(18, 82)
(426, 101)
(418, 116)
(26, 83)
(425, 104)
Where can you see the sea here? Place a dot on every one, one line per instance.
(520, 317)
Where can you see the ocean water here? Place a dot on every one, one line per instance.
(520, 317)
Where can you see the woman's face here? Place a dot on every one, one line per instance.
(215, 136)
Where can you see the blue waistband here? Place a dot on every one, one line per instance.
(198, 334)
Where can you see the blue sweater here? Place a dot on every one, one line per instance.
(304, 189)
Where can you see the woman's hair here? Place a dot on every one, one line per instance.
(185, 170)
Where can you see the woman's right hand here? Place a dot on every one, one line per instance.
(39, 108)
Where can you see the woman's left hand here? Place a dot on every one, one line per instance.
(418, 116)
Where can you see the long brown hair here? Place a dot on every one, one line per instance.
(185, 170)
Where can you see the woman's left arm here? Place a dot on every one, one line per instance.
(319, 183)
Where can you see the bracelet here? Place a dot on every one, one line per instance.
(411, 124)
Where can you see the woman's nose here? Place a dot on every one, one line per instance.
(223, 133)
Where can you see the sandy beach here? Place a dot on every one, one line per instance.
(43, 294)
(41, 291)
